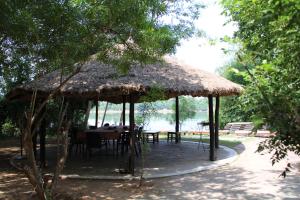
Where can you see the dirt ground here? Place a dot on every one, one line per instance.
(13, 184)
(250, 176)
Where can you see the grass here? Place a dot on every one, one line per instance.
(227, 143)
(226, 140)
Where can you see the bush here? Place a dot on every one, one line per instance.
(9, 129)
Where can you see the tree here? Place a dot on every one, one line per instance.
(146, 110)
(269, 34)
(235, 108)
(37, 37)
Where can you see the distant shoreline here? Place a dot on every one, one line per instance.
(162, 111)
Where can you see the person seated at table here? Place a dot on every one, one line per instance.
(92, 127)
(106, 125)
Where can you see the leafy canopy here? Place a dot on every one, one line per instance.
(269, 32)
(39, 36)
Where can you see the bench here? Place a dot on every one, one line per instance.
(240, 128)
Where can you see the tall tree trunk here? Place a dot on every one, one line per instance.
(62, 153)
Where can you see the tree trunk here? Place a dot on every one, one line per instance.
(31, 170)
(62, 148)
(33, 119)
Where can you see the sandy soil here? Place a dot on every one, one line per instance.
(251, 176)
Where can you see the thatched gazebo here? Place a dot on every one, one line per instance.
(102, 82)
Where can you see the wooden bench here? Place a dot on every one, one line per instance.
(240, 128)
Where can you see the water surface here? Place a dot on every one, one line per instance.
(157, 122)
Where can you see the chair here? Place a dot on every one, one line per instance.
(115, 137)
(78, 139)
(93, 140)
(137, 134)
(124, 140)
(92, 127)
(174, 135)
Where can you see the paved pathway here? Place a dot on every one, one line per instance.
(251, 176)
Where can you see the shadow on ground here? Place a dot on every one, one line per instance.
(249, 177)
(224, 183)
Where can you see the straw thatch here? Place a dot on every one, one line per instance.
(101, 81)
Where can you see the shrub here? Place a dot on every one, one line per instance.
(9, 129)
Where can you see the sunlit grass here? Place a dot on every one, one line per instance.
(227, 143)
(230, 141)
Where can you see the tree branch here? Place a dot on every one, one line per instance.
(54, 92)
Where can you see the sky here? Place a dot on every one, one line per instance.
(198, 52)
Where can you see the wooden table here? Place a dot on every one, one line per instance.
(96, 136)
(154, 134)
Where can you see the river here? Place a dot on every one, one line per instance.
(158, 122)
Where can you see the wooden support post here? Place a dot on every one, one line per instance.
(132, 138)
(104, 114)
(42, 133)
(217, 121)
(177, 119)
(211, 129)
(96, 116)
(124, 111)
(34, 144)
(21, 143)
(87, 113)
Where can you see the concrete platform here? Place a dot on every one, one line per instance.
(162, 159)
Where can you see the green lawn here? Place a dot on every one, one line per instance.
(226, 140)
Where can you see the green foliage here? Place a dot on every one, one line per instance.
(269, 32)
(76, 111)
(148, 108)
(9, 129)
(11, 112)
(235, 108)
(37, 37)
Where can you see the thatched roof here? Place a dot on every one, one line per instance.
(98, 80)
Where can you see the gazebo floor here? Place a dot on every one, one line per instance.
(160, 160)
